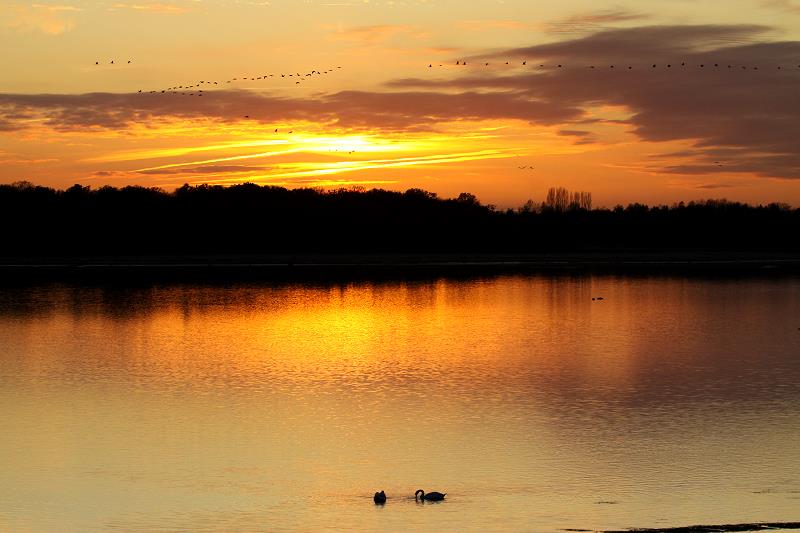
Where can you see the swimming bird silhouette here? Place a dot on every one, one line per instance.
(379, 498)
(431, 496)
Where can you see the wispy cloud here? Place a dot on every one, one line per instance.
(488, 25)
(319, 169)
(714, 186)
(787, 6)
(590, 22)
(152, 7)
(210, 169)
(374, 34)
(44, 18)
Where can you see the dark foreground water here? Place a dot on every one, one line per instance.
(672, 401)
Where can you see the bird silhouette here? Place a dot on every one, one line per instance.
(379, 498)
(431, 496)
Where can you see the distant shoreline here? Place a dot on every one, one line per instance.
(757, 526)
(349, 265)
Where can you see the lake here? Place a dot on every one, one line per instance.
(671, 401)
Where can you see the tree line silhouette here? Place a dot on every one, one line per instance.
(251, 219)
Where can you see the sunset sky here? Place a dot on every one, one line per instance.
(370, 111)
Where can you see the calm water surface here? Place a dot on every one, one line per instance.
(673, 401)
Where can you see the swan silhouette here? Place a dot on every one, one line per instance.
(431, 496)
(380, 498)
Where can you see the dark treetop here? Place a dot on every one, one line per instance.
(250, 219)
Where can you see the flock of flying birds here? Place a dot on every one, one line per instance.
(629, 67)
(195, 90)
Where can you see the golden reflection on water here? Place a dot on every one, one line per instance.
(284, 407)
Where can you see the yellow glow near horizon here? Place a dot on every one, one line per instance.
(339, 167)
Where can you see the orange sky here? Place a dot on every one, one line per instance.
(370, 111)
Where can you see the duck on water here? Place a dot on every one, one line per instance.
(379, 498)
(431, 496)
